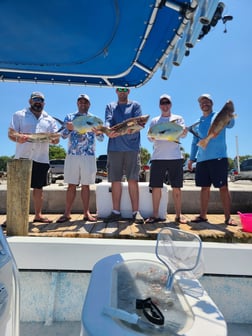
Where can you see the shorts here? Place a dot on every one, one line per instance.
(80, 169)
(158, 171)
(212, 172)
(123, 163)
(39, 174)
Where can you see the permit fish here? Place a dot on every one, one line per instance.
(129, 126)
(169, 131)
(36, 137)
(82, 123)
(221, 120)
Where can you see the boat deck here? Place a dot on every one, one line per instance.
(212, 231)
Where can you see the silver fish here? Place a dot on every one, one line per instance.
(169, 131)
(36, 137)
(129, 126)
(221, 121)
(83, 123)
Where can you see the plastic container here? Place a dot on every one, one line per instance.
(246, 221)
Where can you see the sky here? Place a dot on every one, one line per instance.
(220, 64)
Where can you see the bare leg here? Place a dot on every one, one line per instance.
(38, 202)
(116, 195)
(176, 194)
(204, 200)
(85, 196)
(134, 194)
(226, 201)
(70, 196)
(156, 197)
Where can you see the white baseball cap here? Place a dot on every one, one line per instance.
(84, 96)
(205, 95)
(165, 96)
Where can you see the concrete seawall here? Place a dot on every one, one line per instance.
(55, 195)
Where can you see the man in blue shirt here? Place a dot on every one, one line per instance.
(212, 162)
(80, 162)
(123, 155)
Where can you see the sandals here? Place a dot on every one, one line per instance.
(89, 218)
(63, 219)
(199, 219)
(152, 220)
(230, 222)
(44, 220)
(181, 220)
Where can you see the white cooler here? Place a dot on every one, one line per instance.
(104, 200)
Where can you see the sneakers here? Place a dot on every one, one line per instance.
(113, 217)
(137, 218)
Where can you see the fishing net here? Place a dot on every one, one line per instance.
(180, 252)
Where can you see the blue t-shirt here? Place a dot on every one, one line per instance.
(216, 147)
(116, 113)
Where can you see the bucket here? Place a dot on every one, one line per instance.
(246, 221)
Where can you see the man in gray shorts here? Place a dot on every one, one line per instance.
(123, 155)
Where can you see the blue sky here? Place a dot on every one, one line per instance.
(220, 64)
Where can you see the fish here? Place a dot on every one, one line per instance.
(169, 131)
(128, 126)
(221, 120)
(82, 123)
(36, 137)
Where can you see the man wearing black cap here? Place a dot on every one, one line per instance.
(31, 120)
(212, 162)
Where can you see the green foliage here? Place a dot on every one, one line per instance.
(56, 152)
(145, 156)
(3, 162)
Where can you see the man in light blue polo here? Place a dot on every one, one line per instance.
(212, 162)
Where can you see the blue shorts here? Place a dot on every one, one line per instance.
(123, 163)
(212, 172)
(174, 168)
(39, 174)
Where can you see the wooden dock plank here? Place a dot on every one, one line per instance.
(214, 230)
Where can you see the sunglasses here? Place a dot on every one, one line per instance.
(165, 102)
(38, 100)
(122, 90)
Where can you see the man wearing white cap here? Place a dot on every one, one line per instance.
(34, 119)
(166, 157)
(212, 162)
(80, 162)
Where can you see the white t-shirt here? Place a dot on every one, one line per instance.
(166, 150)
(24, 121)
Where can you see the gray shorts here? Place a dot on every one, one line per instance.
(80, 169)
(123, 163)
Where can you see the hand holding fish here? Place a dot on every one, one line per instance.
(220, 122)
(70, 126)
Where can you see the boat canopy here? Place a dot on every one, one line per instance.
(108, 43)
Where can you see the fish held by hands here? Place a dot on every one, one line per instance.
(169, 131)
(222, 119)
(129, 126)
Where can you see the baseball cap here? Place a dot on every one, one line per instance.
(37, 95)
(205, 95)
(84, 96)
(165, 96)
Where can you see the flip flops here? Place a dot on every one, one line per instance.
(89, 218)
(230, 222)
(44, 220)
(181, 219)
(199, 219)
(63, 219)
(152, 220)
